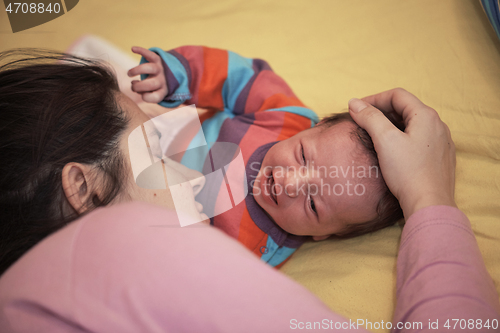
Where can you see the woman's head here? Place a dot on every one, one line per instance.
(60, 131)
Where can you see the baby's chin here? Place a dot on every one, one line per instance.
(261, 203)
(286, 227)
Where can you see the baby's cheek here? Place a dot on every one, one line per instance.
(371, 198)
(282, 219)
(357, 202)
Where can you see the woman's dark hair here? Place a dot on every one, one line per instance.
(54, 109)
(388, 209)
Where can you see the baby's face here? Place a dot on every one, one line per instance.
(318, 181)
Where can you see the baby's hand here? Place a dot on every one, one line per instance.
(154, 88)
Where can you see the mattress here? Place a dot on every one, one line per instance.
(445, 52)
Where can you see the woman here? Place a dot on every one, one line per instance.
(64, 147)
(130, 268)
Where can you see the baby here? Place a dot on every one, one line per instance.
(305, 178)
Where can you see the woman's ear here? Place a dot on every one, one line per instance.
(320, 238)
(76, 185)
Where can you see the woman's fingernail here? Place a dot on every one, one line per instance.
(357, 105)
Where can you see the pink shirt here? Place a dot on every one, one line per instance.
(132, 268)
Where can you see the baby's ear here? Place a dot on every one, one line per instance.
(320, 123)
(320, 238)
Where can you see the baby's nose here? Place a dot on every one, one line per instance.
(291, 190)
(293, 183)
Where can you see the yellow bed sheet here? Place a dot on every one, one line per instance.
(445, 52)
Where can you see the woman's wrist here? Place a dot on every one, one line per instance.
(430, 199)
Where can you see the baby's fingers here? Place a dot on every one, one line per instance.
(146, 85)
(154, 97)
(146, 68)
(147, 54)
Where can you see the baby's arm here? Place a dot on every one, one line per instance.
(220, 79)
(146, 88)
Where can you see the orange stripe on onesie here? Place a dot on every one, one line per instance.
(269, 91)
(213, 78)
(293, 124)
(250, 234)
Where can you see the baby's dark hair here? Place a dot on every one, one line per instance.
(54, 109)
(388, 209)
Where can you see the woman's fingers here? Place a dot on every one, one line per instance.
(418, 165)
(396, 100)
(372, 120)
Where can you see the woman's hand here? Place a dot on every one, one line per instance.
(154, 88)
(418, 165)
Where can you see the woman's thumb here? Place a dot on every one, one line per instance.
(370, 118)
(357, 105)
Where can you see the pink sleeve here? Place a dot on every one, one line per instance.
(442, 276)
(132, 268)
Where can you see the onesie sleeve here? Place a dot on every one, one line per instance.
(442, 280)
(226, 81)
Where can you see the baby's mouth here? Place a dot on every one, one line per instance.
(272, 193)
